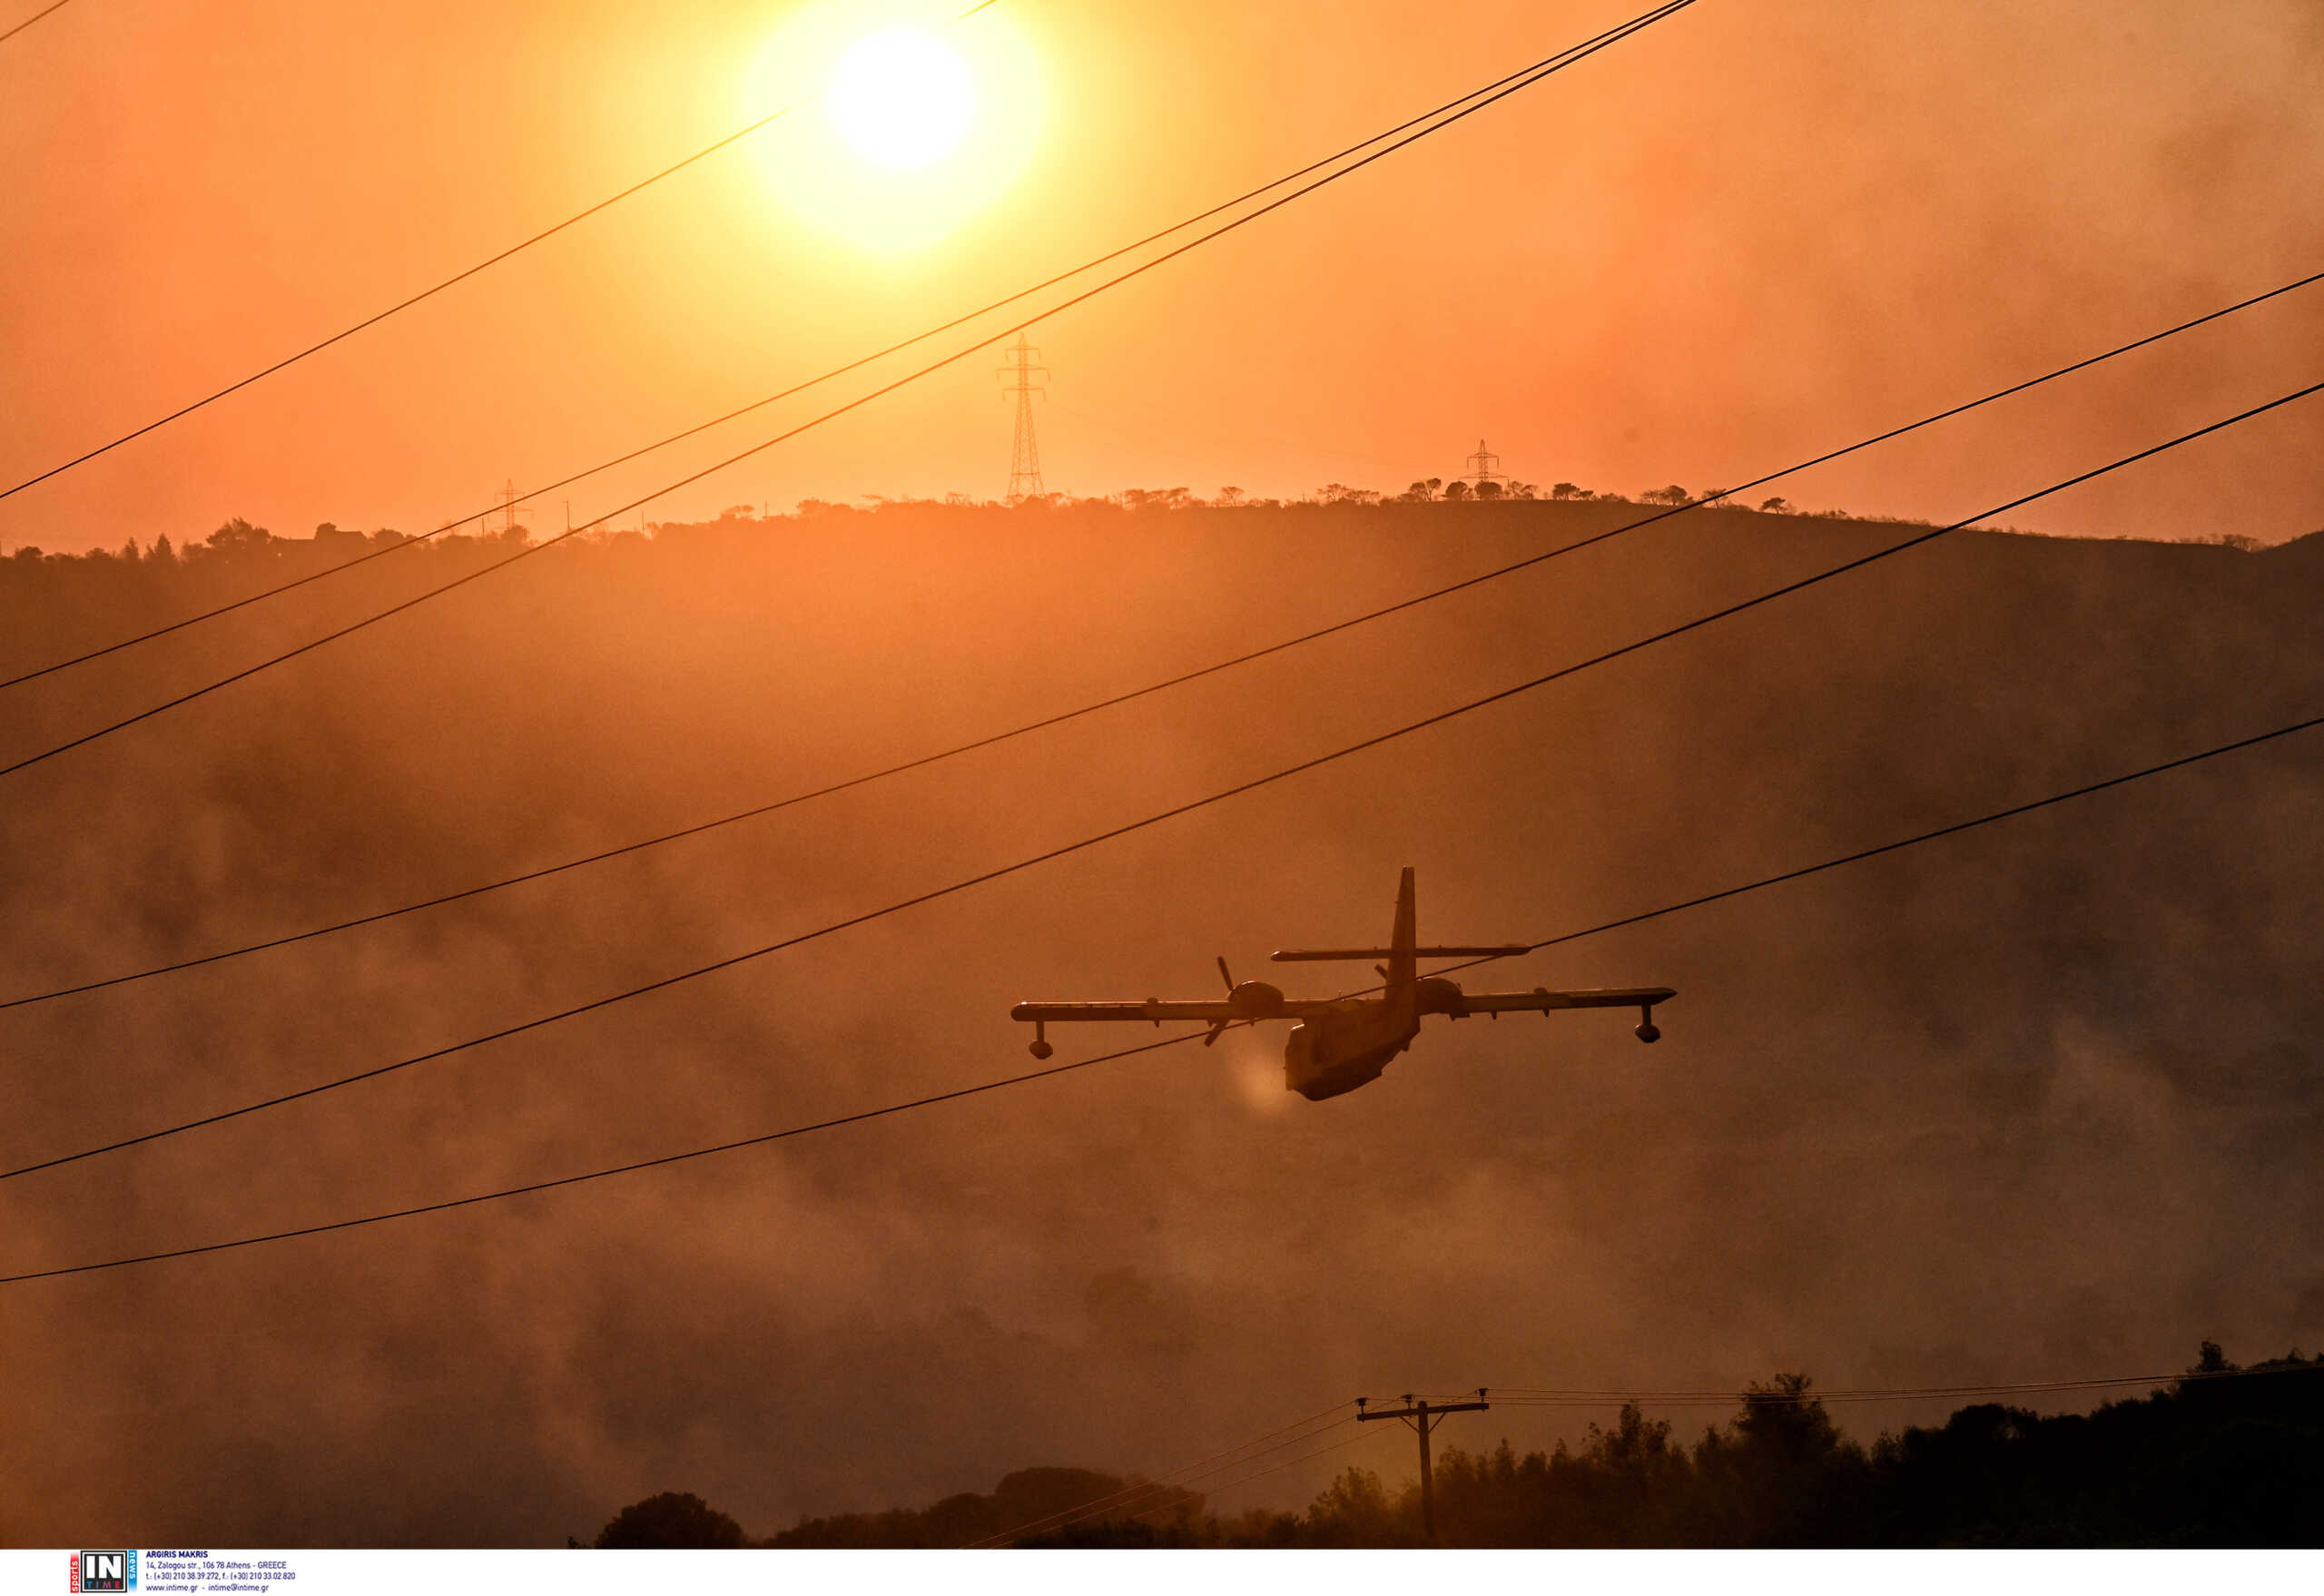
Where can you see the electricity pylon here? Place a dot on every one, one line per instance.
(1025, 456)
(505, 502)
(1424, 1418)
(1484, 466)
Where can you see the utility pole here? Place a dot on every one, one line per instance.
(1423, 1418)
(1025, 456)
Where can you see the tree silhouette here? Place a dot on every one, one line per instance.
(238, 537)
(1356, 1510)
(673, 1521)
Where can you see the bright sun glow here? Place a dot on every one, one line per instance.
(902, 99)
(919, 123)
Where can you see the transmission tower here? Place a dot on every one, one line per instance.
(1025, 455)
(1484, 466)
(505, 501)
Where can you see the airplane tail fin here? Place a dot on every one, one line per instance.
(1404, 958)
(1405, 955)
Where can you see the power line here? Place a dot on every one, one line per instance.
(1269, 779)
(1176, 1040)
(428, 293)
(19, 28)
(1532, 1396)
(1862, 855)
(1559, 64)
(1296, 1433)
(1779, 878)
(1588, 46)
(1358, 1438)
(760, 809)
(539, 1186)
(1222, 1485)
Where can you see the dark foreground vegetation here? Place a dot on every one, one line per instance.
(2225, 1458)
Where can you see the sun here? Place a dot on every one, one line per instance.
(902, 99)
(921, 120)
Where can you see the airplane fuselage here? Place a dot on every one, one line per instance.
(1348, 1046)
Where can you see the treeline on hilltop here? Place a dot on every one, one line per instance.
(2225, 1456)
(61, 600)
(239, 543)
(239, 546)
(58, 603)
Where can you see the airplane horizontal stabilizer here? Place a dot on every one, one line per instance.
(1351, 955)
(1158, 1009)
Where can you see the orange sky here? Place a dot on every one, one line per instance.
(1756, 231)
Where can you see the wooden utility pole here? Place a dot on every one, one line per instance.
(1423, 1418)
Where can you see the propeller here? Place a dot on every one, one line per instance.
(1247, 1004)
(1218, 1027)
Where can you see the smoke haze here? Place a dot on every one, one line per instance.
(2036, 1102)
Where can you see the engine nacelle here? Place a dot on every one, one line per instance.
(1439, 996)
(1255, 1000)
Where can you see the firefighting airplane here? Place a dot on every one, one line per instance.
(1340, 1043)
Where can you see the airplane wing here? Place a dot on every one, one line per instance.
(1542, 1001)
